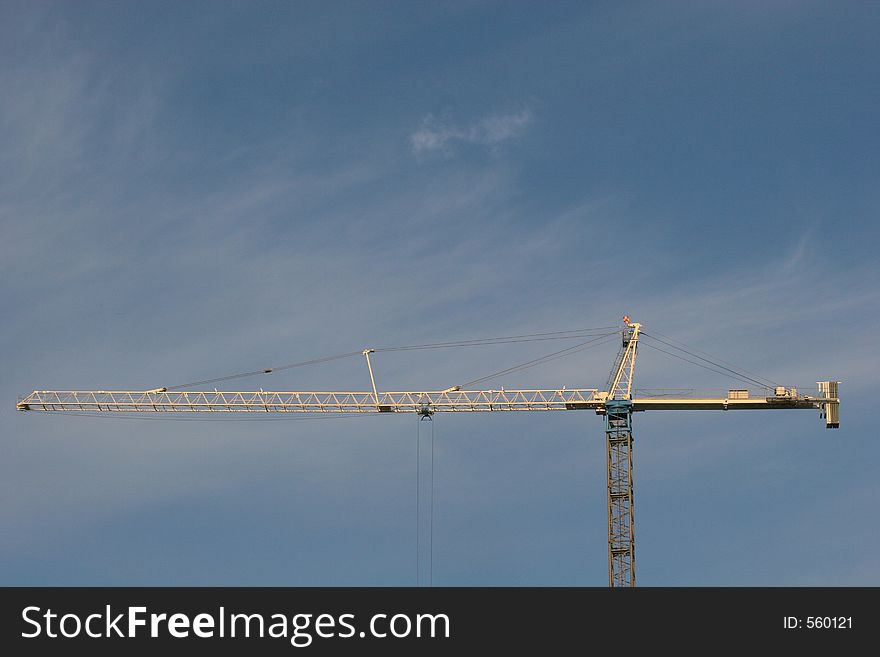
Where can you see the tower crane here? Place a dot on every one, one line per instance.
(615, 403)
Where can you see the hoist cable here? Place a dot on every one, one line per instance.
(418, 497)
(739, 374)
(544, 359)
(705, 367)
(527, 337)
(709, 356)
(477, 342)
(267, 370)
(431, 533)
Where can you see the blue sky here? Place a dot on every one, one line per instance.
(193, 189)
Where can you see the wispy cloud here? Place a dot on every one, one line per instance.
(438, 136)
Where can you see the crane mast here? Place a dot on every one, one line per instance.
(616, 403)
(619, 464)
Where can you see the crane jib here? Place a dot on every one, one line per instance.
(409, 402)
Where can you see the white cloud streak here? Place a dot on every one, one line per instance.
(438, 136)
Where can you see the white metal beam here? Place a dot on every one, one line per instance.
(122, 401)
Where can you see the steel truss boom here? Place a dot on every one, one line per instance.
(127, 401)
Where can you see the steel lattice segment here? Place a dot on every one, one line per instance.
(310, 402)
(398, 402)
(621, 534)
(621, 384)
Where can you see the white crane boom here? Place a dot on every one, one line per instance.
(154, 401)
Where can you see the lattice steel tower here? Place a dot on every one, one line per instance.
(619, 462)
